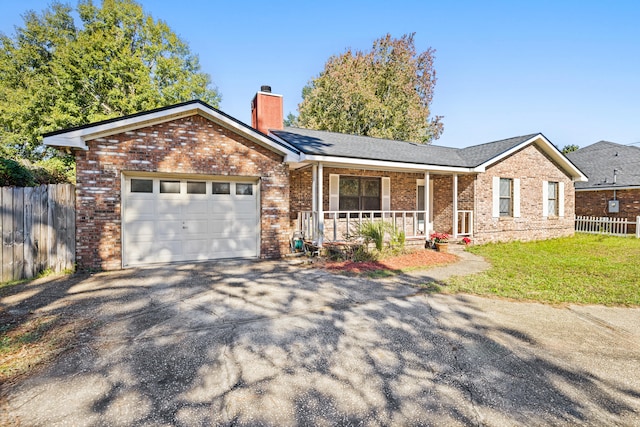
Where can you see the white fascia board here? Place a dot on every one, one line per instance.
(548, 148)
(637, 187)
(77, 138)
(385, 164)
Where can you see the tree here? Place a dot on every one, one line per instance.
(119, 61)
(291, 120)
(384, 93)
(569, 148)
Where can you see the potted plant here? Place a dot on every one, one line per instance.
(441, 241)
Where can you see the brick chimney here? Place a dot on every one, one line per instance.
(266, 110)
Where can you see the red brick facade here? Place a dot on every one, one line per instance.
(596, 202)
(532, 167)
(192, 145)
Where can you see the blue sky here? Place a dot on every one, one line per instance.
(568, 69)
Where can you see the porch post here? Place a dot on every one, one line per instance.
(455, 205)
(426, 204)
(320, 207)
(314, 201)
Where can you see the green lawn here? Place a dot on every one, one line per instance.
(585, 269)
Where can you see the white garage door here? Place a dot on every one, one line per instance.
(168, 220)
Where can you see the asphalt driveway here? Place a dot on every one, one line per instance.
(267, 343)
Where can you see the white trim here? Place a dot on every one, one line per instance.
(385, 191)
(334, 192)
(496, 197)
(320, 234)
(384, 164)
(455, 205)
(77, 138)
(545, 199)
(548, 148)
(609, 188)
(561, 199)
(516, 197)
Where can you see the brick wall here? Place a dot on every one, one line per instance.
(187, 145)
(532, 166)
(596, 203)
(443, 199)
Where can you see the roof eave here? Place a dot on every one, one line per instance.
(609, 188)
(386, 164)
(76, 138)
(548, 147)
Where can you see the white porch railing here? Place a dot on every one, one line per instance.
(339, 225)
(465, 223)
(606, 225)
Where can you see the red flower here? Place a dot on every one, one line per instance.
(439, 237)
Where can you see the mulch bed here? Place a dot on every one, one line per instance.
(421, 258)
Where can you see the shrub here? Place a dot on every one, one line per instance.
(373, 231)
(14, 173)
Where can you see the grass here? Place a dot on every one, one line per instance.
(28, 341)
(584, 269)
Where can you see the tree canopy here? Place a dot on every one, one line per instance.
(384, 93)
(569, 148)
(116, 61)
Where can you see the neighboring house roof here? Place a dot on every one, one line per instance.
(330, 146)
(598, 161)
(76, 137)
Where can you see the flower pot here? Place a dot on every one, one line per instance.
(442, 247)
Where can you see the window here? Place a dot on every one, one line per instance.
(141, 185)
(170, 187)
(196, 187)
(221, 188)
(244, 189)
(506, 200)
(552, 198)
(359, 194)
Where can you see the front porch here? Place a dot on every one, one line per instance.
(329, 203)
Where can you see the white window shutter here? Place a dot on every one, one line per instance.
(496, 197)
(334, 192)
(545, 198)
(561, 199)
(516, 197)
(386, 193)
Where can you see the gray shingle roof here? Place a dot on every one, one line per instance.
(599, 160)
(313, 142)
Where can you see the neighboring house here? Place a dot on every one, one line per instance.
(613, 189)
(188, 182)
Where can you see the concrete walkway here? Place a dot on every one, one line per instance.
(266, 343)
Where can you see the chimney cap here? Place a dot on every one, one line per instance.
(265, 88)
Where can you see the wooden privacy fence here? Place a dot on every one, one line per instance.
(605, 225)
(38, 227)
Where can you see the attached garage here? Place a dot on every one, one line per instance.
(179, 183)
(169, 219)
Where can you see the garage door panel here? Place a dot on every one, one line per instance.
(168, 227)
(196, 208)
(141, 230)
(197, 228)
